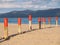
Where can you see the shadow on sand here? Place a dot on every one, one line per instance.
(2, 39)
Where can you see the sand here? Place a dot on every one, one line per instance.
(44, 36)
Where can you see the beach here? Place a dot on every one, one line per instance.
(44, 36)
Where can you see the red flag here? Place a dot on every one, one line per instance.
(56, 17)
(19, 21)
(49, 19)
(39, 19)
(5, 22)
(44, 19)
(30, 17)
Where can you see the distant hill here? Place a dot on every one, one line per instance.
(37, 13)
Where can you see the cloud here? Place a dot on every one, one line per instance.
(56, 0)
(25, 3)
(36, 6)
(32, 4)
(6, 0)
(16, 5)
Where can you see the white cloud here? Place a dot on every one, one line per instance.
(8, 5)
(27, 6)
(6, 0)
(16, 4)
(34, 4)
(25, 3)
(44, 7)
(56, 0)
(53, 3)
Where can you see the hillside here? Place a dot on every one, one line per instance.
(37, 13)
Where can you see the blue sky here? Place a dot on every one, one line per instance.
(11, 5)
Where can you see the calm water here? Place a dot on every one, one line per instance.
(25, 20)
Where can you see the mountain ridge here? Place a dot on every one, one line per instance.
(37, 13)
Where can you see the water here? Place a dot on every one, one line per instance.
(34, 20)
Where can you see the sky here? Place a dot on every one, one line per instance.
(12, 5)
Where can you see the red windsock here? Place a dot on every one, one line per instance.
(56, 17)
(5, 22)
(19, 21)
(39, 19)
(49, 19)
(30, 17)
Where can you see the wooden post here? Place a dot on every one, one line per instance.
(19, 25)
(39, 21)
(49, 20)
(56, 21)
(30, 22)
(44, 22)
(5, 28)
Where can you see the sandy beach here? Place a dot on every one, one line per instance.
(44, 36)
